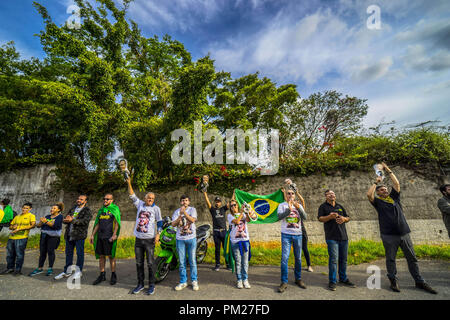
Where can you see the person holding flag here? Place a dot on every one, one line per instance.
(6, 215)
(104, 237)
(240, 241)
(291, 214)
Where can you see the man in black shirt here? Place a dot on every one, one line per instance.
(218, 214)
(394, 230)
(334, 217)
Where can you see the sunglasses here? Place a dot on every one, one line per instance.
(233, 205)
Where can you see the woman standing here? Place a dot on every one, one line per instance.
(240, 242)
(51, 227)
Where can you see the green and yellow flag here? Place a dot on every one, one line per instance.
(265, 206)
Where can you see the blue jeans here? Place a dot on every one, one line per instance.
(286, 241)
(337, 252)
(70, 245)
(187, 247)
(15, 253)
(241, 260)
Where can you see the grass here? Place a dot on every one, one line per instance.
(269, 253)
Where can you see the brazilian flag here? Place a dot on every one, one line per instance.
(265, 206)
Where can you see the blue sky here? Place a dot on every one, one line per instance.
(403, 68)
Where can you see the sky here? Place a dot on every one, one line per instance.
(400, 62)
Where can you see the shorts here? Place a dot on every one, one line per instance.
(104, 247)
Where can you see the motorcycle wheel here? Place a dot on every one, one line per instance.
(201, 251)
(162, 269)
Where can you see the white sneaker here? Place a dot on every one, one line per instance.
(195, 285)
(180, 286)
(246, 284)
(62, 275)
(310, 269)
(239, 284)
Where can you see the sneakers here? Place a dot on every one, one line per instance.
(138, 289)
(49, 272)
(195, 285)
(62, 275)
(229, 268)
(239, 284)
(180, 286)
(17, 272)
(348, 283)
(394, 285)
(7, 271)
(246, 284)
(113, 280)
(100, 278)
(36, 272)
(425, 286)
(310, 269)
(151, 290)
(217, 267)
(300, 283)
(282, 287)
(332, 286)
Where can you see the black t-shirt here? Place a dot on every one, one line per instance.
(219, 217)
(333, 230)
(390, 215)
(105, 225)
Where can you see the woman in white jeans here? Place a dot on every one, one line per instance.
(240, 242)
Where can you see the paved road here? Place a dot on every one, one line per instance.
(220, 285)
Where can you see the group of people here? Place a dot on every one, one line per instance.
(394, 232)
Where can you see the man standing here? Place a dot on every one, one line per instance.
(104, 237)
(334, 217)
(291, 213)
(6, 215)
(15, 249)
(218, 214)
(77, 224)
(394, 230)
(184, 219)
(444, 205)
(148, 216)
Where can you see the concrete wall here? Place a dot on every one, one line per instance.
(419, 198)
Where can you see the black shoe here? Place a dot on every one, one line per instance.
(113, 280)
(138, 289)
(300, 283)
(100, 278)
(347, 283)
(7, 271)
(229, 268)
(150, 290)
(332, 286)
(394, 285)
(425, 286)
(17, 272)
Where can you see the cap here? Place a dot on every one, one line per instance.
(218, 199)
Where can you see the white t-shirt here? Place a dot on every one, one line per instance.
(292, 223)
(146, 218)
(185, 231)
(238, 232)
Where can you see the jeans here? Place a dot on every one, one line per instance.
(241, 260)
(286, 241)
(391, 244)
(337, 252)
(219, 241)
(187, 247)
(145, 248)
(15, 253)
(70, 245)
(47, 246)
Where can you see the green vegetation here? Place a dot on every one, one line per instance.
(269, 253)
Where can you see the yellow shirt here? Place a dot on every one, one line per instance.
(22, 221)
(2, 214)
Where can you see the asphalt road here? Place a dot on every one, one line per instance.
(221, 284)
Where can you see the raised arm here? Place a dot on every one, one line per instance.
(396, 184)
(130, 188)
(207, 200)
(371, 191)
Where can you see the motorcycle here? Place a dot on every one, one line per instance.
(167, 259)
